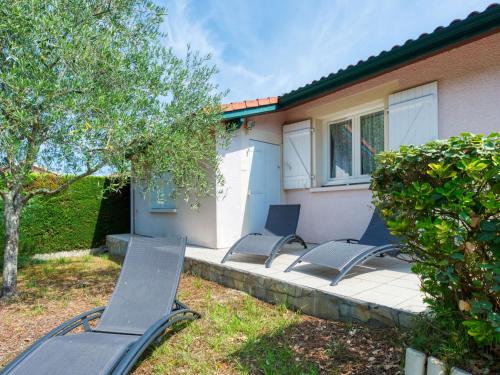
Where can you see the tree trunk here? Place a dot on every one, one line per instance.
(11, 212)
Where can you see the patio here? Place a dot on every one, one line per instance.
(383, 292)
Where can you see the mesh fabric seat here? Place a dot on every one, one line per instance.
(281, 225)
(88, 353)
(256, 244)
(343, 255)
(146, 287)
(142, 306)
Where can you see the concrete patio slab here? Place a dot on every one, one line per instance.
(382, 292)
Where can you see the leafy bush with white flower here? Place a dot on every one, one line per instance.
(443, 199)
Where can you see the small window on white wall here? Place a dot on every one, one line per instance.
(161, 199)
(353, 142)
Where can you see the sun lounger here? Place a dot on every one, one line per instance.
(343, 255)
(279, 230)
(142, 307)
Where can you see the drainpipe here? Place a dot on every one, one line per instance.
(132, 208)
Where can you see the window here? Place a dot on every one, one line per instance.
(354, 141)
(161, 196)
(372, 140)
(341, 149)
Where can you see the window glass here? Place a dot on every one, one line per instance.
(372, 140)
(161, 194)
(341, 149)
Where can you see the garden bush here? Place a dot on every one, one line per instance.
(443, 200)
(78, 218)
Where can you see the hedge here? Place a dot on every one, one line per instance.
(79, 218)
(443, 200)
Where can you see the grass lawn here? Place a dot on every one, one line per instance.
(238, 334)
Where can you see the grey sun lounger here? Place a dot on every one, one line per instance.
(343, 255)
(142, 307)
(280, 228)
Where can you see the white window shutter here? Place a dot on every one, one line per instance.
(413, 116)
(297, 155)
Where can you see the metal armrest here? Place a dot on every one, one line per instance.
(62, 329)
(348, 240)
(386, 248)
(155, 331)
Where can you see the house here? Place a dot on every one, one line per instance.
(315, 145)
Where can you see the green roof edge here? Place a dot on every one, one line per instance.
(475, 25)
(249, 112)
(425, 45)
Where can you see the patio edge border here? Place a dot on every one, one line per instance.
(309, 301)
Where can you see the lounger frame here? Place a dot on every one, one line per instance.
(355, 261)
(179, 313)
(291, 238)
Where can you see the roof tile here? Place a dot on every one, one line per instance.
(252, 103)
(234, 106)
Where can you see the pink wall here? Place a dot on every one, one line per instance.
(332, 215)
(470, 103)
(468, 83)
(469, 100)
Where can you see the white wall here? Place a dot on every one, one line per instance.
(198, 225)
(220, 221)
(231, 205)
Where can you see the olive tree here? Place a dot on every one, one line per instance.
(90, 84)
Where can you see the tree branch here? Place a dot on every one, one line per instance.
(48, 192)
(95, 16)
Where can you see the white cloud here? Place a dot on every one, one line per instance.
(183, 29)
(265, 48)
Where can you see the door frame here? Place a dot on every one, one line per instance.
(281, 191)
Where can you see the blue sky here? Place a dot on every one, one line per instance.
(266, 48)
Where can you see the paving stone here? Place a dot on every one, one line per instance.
(406, 319)
(457, 371)
(327, 306)
(117, 245)
(435, 367)
(414, 362)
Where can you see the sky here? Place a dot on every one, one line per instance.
(267, 48)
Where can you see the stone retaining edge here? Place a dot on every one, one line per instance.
(307, 300)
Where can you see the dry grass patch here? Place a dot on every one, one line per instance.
(238, 334)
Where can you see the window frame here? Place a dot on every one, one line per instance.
(354, 114)
(165, 184)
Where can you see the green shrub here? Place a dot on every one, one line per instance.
(79, 218)
(443, 200)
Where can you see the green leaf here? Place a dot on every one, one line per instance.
(481, 306)
(457, 256)
(490, 225)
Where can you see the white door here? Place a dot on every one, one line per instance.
(265, 182)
